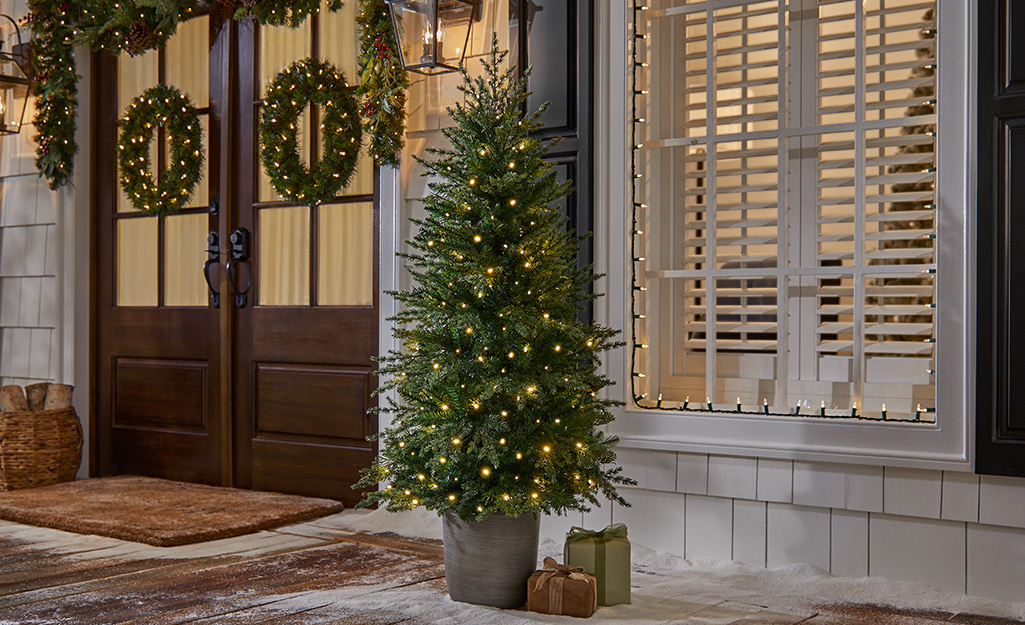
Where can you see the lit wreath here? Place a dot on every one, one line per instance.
(160, 106)
(310, 81)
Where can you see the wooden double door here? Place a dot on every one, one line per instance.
(267, 384)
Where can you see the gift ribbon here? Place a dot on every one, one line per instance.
(612, 532)
(558, 574)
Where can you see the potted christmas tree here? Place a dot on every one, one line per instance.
(499, 407)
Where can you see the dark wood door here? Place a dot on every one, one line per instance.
(272, 395)
(302, 368)
(157, 363)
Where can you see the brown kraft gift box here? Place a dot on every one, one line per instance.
(560, 589)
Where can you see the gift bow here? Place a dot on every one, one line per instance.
(612, 532)
(553, 568)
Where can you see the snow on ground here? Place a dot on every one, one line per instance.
(664, 585)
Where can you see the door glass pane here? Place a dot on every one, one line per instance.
(346, 255)
(184, 255)
(280, 46)
(137, 262)
(188, 60)
(339, 39)
(283, 256)
(135, 75)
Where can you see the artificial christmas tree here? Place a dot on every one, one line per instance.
(498, 386)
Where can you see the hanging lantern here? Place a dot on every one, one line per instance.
(15, 76)
(433, 34)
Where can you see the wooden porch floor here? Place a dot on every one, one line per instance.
(317, 573)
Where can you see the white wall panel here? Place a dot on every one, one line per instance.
(13, 247)
(653, 470)
(655, 519)
(10, 304)
(775, 480)
(960, 496)
(996, 562)
(797, 534)
(919, 550)
(48, 302)
(749, 531)
(601, 516)
(864, 488)
(30, 299)
(821, 484)
(18, 203)
(848, 539)
(39, 353)
(692, 473)
(730, 476)
(1002, 501)
(912, 492)
(35, 250)
(555, 527)
(709, 528)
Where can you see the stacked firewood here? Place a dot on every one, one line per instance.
(35, 397)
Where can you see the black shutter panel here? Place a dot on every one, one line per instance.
(1000, 421)
(554, 38)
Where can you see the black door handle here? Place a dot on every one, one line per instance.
(213, 254)
(239, 240)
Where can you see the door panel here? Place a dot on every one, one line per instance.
(156, 349)
(302, 372)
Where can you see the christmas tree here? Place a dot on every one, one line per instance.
(498, 386)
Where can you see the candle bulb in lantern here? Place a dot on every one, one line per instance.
(854, 409)
(797, 408)
(659, 403)
(918, 412)
(686, 401)
(822, 408)
(884, 412)
(765, 406)
(738, 404)
(708, 400)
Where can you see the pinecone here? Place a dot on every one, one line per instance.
(140, 37)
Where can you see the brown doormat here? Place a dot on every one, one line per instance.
(157, 512)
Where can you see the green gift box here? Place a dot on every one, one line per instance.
(604, 554)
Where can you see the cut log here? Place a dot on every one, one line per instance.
(12, 399)
(58, 396)
(36, 395)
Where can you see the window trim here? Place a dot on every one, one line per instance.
(948, 444)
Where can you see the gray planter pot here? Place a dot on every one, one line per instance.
(488, 562)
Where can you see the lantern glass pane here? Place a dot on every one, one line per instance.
(414, 22)
(13, 99)
(456, 19)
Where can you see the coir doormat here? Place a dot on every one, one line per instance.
(157, 512)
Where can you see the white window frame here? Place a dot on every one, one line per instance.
(947, 444)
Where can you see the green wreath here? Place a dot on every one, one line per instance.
(167, 107)
(310, 81)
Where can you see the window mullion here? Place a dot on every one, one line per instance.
(858, 366)
(710, 204)
(782, 336)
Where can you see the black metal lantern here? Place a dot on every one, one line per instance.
(433, 34)
(15, 76)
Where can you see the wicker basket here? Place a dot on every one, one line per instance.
(39, 448)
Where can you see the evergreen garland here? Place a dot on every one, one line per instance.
(132, 26)
(278, 12)
(382, 81)
(55, 88)
(158, 106)
(116, 26)
(498, 383)
(310, 81)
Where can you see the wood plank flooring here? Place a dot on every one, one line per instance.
(319, 573)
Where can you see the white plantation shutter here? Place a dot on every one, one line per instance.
(785, 206)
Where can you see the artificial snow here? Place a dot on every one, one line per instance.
(665, 586)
